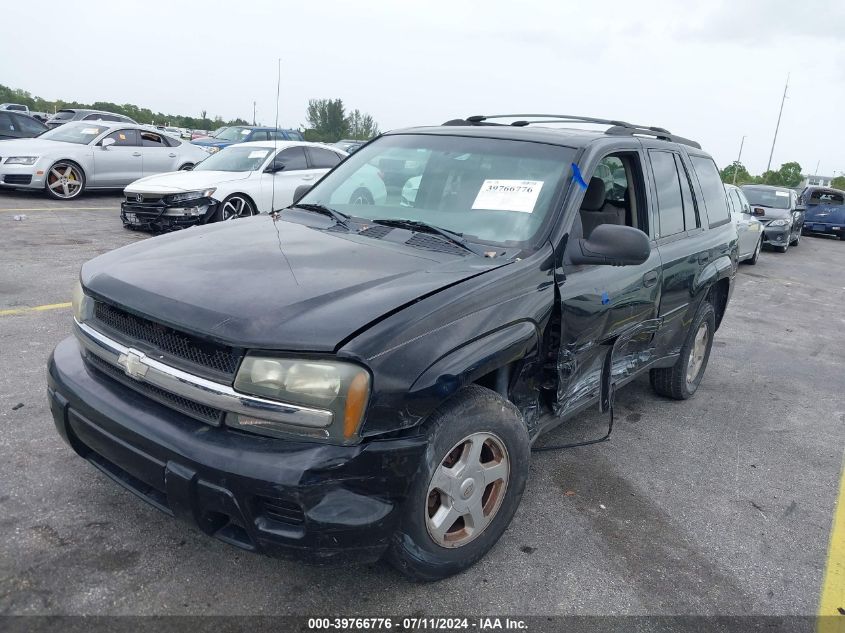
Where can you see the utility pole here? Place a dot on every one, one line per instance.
(777, 127)
(738, 158)
(253, 113)
(816, 173)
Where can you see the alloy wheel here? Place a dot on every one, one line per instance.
(467, 489)
(64, 180)
(236, 207)
(697, 353)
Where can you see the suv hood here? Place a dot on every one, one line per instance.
(262, 284)
(179, 181)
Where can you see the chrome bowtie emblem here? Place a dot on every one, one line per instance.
(139, 197)
(133, 364)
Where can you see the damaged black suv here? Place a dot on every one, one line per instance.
(351, 379)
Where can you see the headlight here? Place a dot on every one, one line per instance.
(779, 223)
(21, 160)
(83, 306)
(211, 149)
(190, 195)
(340, 388)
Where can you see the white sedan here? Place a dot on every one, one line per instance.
(71, 158)
(238, 181)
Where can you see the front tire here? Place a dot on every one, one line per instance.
(782, 249)
(681, 381)
(757, 250)
(235, 206)
(65, 180)
(466, 490)
(186, 167)
(796, 240)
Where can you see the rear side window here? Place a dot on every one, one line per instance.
(670, 206)
(150, 139)
(715, 199)
(322, 158)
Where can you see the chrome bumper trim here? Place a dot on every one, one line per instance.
(142, 368)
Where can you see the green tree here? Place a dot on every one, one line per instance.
(361, 125)
(327, 120)
(838, 182)
(742, 175)
(790, 174)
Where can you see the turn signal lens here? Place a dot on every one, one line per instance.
(356, 404)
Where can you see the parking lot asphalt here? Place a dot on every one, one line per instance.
(718, 505)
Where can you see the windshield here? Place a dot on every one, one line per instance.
(233, 134)
(490, 190)
(80, 133)
(218, 131)
(775, 198)
(235, 158)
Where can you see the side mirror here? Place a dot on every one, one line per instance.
(273, 168)
(107, 142)
(612, 245)
(758, 211)
(300, 191)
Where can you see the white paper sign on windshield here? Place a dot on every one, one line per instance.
(783, 194)
(258, 153)
(508, 195)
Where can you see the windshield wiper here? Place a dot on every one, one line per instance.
(424, 227)
(337, 216)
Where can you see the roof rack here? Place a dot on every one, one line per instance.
(617, 128)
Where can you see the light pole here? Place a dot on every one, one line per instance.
(738, 158)
(777, 127)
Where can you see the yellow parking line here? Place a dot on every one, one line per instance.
(63, 209)
(44, 308)
(832, 605)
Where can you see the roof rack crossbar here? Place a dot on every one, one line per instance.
(617, 128)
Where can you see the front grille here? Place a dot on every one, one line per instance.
(280, 510)
(434, 243)
(146, 198)
(220, 359)
(201, 412)
(17, 179)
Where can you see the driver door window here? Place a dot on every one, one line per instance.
(124, 138)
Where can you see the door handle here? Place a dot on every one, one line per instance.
(308, 177)
(172, 155)
(136, 153)
(649, 279)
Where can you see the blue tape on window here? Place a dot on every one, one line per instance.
(605, 299)
(577, 177)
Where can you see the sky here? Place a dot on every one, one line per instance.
(712, 71)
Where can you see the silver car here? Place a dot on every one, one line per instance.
(66, 115)
(83, 155)
(748, 228)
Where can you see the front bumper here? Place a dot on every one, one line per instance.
(314, 501)
(776, 235)
(22, 176)
(160, 216)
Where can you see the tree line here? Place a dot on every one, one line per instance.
(327, 119)
(789, 175)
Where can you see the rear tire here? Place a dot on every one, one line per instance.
(473, 473)
(681, 381)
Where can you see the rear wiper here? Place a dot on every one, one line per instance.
(425, 227)
(337, 216)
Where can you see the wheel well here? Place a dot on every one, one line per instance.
(185, 166)
(718, 296)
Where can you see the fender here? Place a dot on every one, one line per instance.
(720, 268)
(467, 363)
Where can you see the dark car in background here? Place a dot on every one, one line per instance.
(18, 125)
(824, 211)
(243, 134)
(777, 209)
(348, 381)
(349, 146)
(66, 115)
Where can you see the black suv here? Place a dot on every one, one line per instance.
(347, 381)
